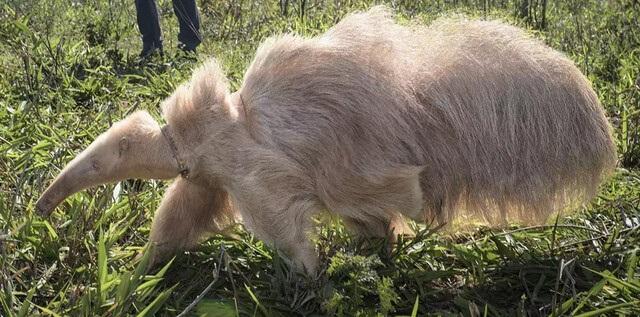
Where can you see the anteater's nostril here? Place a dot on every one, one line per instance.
(42, 207)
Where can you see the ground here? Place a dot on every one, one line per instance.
(68, 70)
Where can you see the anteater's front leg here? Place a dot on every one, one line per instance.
(283, 221)
(277, 206)
(188, 212)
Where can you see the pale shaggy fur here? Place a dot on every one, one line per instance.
(374, 121)
(495, 121)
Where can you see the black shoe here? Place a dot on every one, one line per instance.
(150, 50)
(187, 48)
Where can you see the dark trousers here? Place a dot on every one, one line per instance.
(149, 23)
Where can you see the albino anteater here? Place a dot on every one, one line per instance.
(371, 121)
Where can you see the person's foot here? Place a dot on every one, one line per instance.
(187, 48)
(149, 50)
(186, 53)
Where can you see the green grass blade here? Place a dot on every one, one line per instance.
(47, 311)
(414, 311)
(255, 299)
(102, 269)
(632, 266)
(593, 291)
(604, 310)
(152, 308)
(24, 308)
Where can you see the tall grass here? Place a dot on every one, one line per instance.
(68, 70)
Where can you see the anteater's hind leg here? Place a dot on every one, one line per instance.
(377, 207)
(280, 215)
(390, 227)
(277, 203)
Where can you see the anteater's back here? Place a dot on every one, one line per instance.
(494, 122)
(520, 128)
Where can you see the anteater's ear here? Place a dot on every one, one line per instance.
(191, 107)
(208, 87)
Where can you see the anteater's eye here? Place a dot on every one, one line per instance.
(123, 145)
(95, 164)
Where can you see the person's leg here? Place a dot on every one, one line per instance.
(189, 20)
(149, 25)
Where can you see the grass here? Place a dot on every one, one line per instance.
(69, 70)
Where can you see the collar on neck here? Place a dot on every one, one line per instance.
(182, 166)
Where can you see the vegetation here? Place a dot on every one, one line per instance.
(69, 69)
